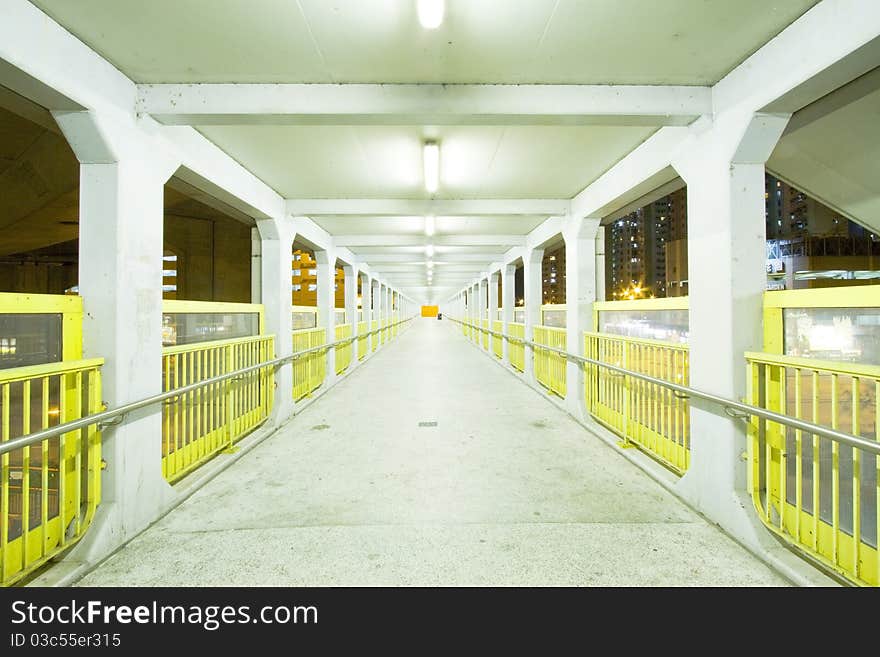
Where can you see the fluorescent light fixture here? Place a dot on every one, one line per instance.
(429, 225)
(431, 161)
(429, 250)
(430, 13)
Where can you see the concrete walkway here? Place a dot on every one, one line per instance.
(506, 489)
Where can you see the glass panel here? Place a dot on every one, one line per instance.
(304, 320)
(666, 325)
(519, 316)
(29, 339)
(340, 317)
(191, 328)
(842, 334)
(554, 318)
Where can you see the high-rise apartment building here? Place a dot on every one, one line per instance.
(553, 275)
(636, 246)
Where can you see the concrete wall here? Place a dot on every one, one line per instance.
(37, 278)
(213, 258)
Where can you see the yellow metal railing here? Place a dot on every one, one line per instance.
(48, 492)
(816, 494)
(395, 329)
(386, 330)
(650, 416)
(485, 333)
(497, 344)
(199, 424)
(363, 340)
(343, 352)
(310, 370)
(516, 350)
(376, 336)
(465, 329)
(549, 366)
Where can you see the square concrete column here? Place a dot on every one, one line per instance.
(475, 309)
(508, 283)
(599, 248)
(276, 255)
(484, 305)
(120, 281)
(726, 268)
(494, 281)
(377, 311)
(351, 310)
(256, 266)
(367, 307)
(326, 260)
(532, 290)
(580, 293)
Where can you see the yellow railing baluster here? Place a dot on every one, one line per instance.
(835, 474)
(26, 473)
(44, 468)
(798, 450)
(4, 490)
(856, 482)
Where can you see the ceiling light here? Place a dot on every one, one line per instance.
(429, 225)
(430, 265)
(429, 250)
(430, 13)
(431, 161)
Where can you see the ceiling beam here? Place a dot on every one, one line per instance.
(420, 240)
(438, 259)
(422, 207)
(423, 104)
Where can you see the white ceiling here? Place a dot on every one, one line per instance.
(386, 161)
(394, 226)
(549, 41)
(655, 42)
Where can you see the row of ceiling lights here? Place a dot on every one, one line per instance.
(431, 16)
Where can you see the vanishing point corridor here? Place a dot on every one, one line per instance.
(446, 472)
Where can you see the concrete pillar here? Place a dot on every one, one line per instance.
(532, 296)
(351, 309)
(494, 280)
(276, 254)
(483, 305)
(367, 306)
(724, 172)
(120, 280)
(326, 260)
(377, 309)
(256, 266)
(475, 311)
(508, 282)
(580, 293)
(600, 265)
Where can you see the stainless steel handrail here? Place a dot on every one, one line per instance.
(125, 409)
(727, 404)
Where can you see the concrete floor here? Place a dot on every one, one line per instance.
(505, 490)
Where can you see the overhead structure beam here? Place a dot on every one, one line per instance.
(421, 207)
(438, 259)
(390, 239)
(423, 104)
